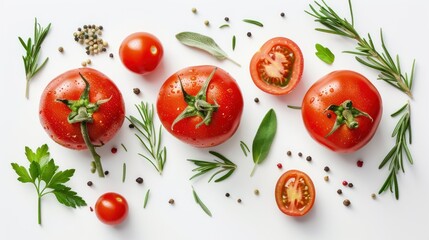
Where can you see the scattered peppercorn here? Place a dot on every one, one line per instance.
(89, 183)
(350, 185)
(289, 153)
(326, 178)
(111, 55)
(194, 10)
(139, 180)
(106, 172)
(300, 154)
(61, 49)
(326, 169)
(206, 22)
(88, 61)
(227, 195)
(373, 196)
(308, 158)
(339, 191)
(91, 209)
(256, 100)
(345, 183)
(171, 201)
(282, 14)
(136, 91)
(346, 202)
(90, 36)
(249, 34)
(359, 163)
(114, 150)
(256, 192)
(83, 64)
(226, 19)
(239, 200)
(131, 125)
(279, 166)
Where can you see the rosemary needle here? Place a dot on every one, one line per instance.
(32, 53)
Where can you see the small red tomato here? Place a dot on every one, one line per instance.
(111, 208)
(278, 66)
(295, 193)
(141, 52)
(200, 105)
(342, 111)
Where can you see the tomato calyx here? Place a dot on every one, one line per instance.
(346, 114)
(81, 112)
(198, 105)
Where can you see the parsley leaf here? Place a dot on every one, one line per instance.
(324, 54)
(43, 168)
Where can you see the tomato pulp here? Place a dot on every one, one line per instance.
(278, 66)
(342, 111)
(213, 103)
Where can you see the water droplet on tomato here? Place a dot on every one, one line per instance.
(331, 90)
(312, 100)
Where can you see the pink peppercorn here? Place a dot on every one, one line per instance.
(114, 150)
(359, 163)
(279, 165)
(345, 183)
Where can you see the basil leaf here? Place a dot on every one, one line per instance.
(203, 42)
(264, 138)
(324, 54)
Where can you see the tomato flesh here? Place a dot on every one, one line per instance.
(295, 193)
(278, 66)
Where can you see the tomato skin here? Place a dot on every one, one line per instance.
(287, 185)
(335, 88)
(111, 208)
(222, 88)
(141, 52)
(69, 85)
(297, 68)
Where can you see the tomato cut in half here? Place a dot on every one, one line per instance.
(278, 66)
(295, 193)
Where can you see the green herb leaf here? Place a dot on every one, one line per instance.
(324, 54)
(54, 181)
(203, 42)
(199, 202)
(264, 138)
(254, 22)
(244, 148)
(146, 198)
(233, 42)
(224, 26)
(124, 172)
(206, 166)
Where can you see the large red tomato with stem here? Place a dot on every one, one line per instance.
(342, 111)
(82, 108)
(200, 105)
(278, 66)
(141, 52)
(295, 193)
(111, 208)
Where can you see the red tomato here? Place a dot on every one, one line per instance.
(111, 208)
(141, 52)
(213, 111)
(107, 120)
(295, 193)
(278, 66)
(342, 111)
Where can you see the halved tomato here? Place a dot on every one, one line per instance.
(295, 193)
(278, 66)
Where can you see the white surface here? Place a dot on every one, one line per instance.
(257, 217)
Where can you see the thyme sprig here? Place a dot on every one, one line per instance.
(366, 52)
(32, 53)
(395, 156)
(149, 137)
(204, 167)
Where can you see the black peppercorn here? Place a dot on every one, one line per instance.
(289, 153)
(346, 202)
(326, 169)
(139, 180)
(227, 195)
(308, 158)
(249, 34)
(226, 19)
(89, 183)
(339, 191)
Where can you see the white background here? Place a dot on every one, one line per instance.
(257, 217)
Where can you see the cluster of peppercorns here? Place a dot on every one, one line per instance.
(90, 37)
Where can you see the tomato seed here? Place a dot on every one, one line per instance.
(114, 150)
(279, 166)
(359, 163)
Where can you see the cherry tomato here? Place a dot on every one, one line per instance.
(278, 66)
(295, 193)
(141, 52)
(111, 208)
(342, 111)
(69, 85)
(206, 111)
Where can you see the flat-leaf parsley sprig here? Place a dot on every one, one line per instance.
(149, 137)
(32, 52)
(366, 53)
(44, 175)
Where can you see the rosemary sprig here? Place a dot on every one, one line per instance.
(204, 167)
(150, 139)
(32, 53)
(395, 156)
(366, 53)
(200, 202)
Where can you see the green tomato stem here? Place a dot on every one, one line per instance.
(91, 148)
(39, 210)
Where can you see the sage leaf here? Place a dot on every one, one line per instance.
(324, 54)
(264, 138)
(204, 43)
